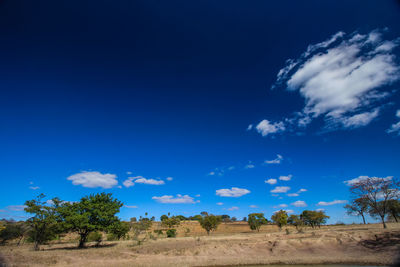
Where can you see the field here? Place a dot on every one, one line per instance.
(232, 244)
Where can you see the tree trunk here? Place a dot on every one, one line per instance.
(395, 217)
(362, 215)
(383, 222)
(36, 247)
(82, 240)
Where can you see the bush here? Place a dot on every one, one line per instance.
(95, 237)
(171, 233)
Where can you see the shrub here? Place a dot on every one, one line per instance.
(171, 233)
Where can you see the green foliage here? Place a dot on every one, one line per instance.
(163, 217)
(313, 218)
(91, 213)
(210, 222)
(95, 236)
(394, 209)
(255, 221)
(12, 230)
(280, 218)
(158, 232)
(170, 222)
(181, 217)
(45, 223)
(295, 221)
(358, 207)
(171, 233)
(141, 226)
(119, 229)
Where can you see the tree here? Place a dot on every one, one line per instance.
(377, 192)
(295, 221)
(45, 223)
(13, 230)
(226, 218)
(170, 222)
(280, 218)
(163, 217)
(394, 209)
(210, 222)
(358, 207)
(91, 213)
(256, 220)
(313, 218)
(119, 229)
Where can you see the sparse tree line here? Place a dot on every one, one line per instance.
(377, 197)
(95, 214)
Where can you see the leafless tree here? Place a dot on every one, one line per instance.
(377, 193)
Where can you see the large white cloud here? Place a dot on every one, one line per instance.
(341, 81)
(233, 192)
(179, 199)
(334, 202)
(94, 179)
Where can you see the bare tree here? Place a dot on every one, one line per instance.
(377, 193)
(358, 207)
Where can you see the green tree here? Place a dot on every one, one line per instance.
(357, 207)
(45, 222)
(119, 229)
(13, 230)
(91, 213)
(163, 217)
(170, 222)
(295, 221)
(210, 222)
(280, 218)
(313, 218)
(255, 221)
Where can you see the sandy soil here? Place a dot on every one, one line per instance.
(348, 245)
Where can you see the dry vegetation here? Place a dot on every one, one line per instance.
(231, 244)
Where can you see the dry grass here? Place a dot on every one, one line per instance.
(231, 245)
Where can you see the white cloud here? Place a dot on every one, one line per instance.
(265, 127)
(302, 190)
(341, 80)
(131, 181)
(198, 195)
(289, 211)
(231, 168)
(320, 210)
(395, 127)
(249, 166)
(233, 208)
(280, 189)
(278, 160)
(129, 173)
(271, 181)
(130, 207)
(233, 192)
(211, 173)
(293, 195)
(334, 202)
(148, 181)
(286, 178)
(363, 177)
(299, 203)
(249, 127)
(16, 207)
(220, 203)
(34, 187)
(179, 199)
(253, 206)
(169, 178)
(94, 179)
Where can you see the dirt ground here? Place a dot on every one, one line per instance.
(353, 244)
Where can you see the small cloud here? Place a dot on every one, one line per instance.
(323, 203)
(94, 179)
(265, 127)
(289, 211)
(233, 208)
(281, 206)
(280, 189)
(253, 206)
(211, 173)
(293, 195)
(34, 187)
(129, 173)
(179, 199)
(299, 203)
(130, 207)
(231, 168)
(302, 190)
(249, 127)
(128, 183)
(395, 127)
(169, 178)
(271, 181)
(286, 178)
(277, 160)
(233, 192)
(320, 210)
(220, 203)
(131, 181)
(198, 195)
(16, 207)
(249, 166)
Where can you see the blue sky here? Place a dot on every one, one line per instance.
(185, 107)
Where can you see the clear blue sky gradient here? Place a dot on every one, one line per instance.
(168, 88)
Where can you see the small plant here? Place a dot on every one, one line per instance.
(171, 233)
(95, 237)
